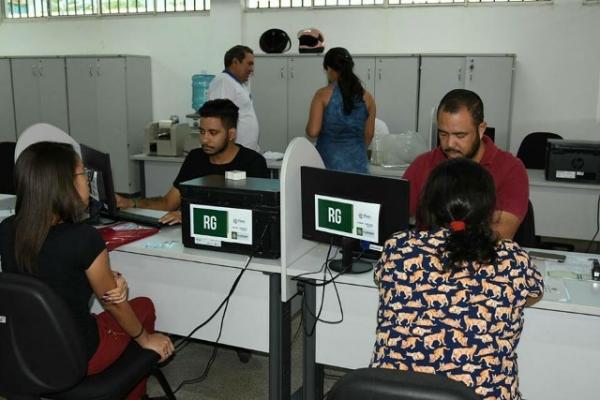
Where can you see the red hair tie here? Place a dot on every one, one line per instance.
(457, 226)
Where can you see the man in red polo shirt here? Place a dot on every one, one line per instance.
(460, 132)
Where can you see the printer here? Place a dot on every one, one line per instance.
(573, 161)
(166, 138)
(233, 216)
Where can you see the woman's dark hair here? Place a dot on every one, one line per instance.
(340, 60)
(46, 194)
(461, 190)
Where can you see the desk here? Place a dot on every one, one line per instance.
(187, 285)
(558, 351)
(562, 209)
(159, 172)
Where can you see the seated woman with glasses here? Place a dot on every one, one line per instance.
(45, 239)
(451, 295)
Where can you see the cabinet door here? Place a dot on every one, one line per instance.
(112, 118)
(7, 116)
(53, 92)
(25, 73)
(396, 92)
(439, 75)
(306, 75)
(491, 79)
(364, 68)
(269, 95)
(83, 102)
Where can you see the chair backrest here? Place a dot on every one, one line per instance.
(532, 150)
(525, 235)
(7, 166)
(388, 384)
(40, 351)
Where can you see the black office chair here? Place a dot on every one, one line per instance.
(7, 164)
(532, 151)
(526, 236)
(389, 384)
(42, 355)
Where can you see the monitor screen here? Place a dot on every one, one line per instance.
(346, 209)
(102, 193)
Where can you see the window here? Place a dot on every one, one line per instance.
(15, 9)
(259, 4)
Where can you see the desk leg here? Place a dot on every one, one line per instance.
(280, 345)
(312, 372)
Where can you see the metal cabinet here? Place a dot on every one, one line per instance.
(40, 95)
(283, 87)
(110, 103)
(306, 76)
(488, 76)
(269, 94)
(282, 90)
(7, 111)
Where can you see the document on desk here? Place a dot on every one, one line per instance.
(569, 283)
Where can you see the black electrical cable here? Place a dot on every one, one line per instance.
(317, 317)
(211, 360)
(597, 226)
(225, 303)
(184, 341)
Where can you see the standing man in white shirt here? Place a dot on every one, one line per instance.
(232, 84)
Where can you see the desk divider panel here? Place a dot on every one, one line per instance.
(300, 152)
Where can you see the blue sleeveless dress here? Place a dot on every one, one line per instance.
(341, 141)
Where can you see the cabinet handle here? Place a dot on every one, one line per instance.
(91, 70)
(41, 70)
(281, 72)
(369, 74)
(33, 70)
(292, 74)
(379, 73)
(97, 69)
(471, 68)
(459, 73)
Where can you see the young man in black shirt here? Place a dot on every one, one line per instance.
(219, 153)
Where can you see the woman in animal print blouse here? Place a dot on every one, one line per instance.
(451, 296)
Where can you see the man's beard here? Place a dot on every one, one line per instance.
(471, 153)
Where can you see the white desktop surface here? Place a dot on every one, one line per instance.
(559, 346)
(167, 244)
(187, 285)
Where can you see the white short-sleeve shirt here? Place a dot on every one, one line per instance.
(225, 86)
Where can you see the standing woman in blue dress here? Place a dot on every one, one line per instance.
(342, 116)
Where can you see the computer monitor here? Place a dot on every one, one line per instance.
(102, 193)
(346, 209)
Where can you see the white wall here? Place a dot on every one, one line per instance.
(179, 45)
(558, 54)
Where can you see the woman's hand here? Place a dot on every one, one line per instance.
(158, 343)
(118, 294)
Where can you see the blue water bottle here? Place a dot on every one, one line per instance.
(200, 83)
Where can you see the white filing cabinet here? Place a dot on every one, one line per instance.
(488, 76)
(40, 92)
(7, 111)
(110, 103)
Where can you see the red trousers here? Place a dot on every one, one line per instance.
(114, 340)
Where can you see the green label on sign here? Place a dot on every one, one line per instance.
(335, 215)
(210, 222)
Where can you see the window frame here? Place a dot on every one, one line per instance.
(386, 4)
(99, 14)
